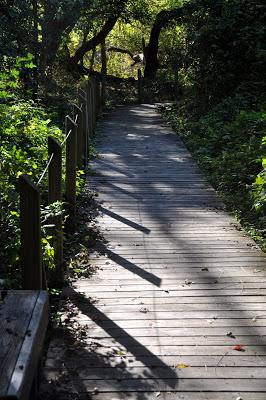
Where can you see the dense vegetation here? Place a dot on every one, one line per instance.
(222, 118)
(209, 56)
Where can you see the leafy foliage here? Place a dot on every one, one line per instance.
(225, 48)
(226, 142)
(24, 129)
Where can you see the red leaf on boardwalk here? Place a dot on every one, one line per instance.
(239, 347)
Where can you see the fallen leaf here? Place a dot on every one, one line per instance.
(188, 282)
(95, 391)
(157, 394)
(143, 310)
(182, 366)
(121, 353)
(239, 347)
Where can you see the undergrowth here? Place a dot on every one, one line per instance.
(229, 145)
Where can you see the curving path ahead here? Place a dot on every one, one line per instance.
(180, 293)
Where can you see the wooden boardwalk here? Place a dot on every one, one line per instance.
(177, 308)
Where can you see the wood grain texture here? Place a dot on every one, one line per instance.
(178, 283)
(24, 319)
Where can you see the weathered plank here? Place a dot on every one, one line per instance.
(24, 316)
(178, 395)
(14, 325)
(166, 385)
(90, 360)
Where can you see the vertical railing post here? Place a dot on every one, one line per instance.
(85, 125)
(89, 107)
(71, 164)
(78, 118)
(98, 99)
(94, 103)
(30, 225)
(55, 195)
(139, 86)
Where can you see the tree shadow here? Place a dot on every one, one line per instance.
(124, 220)
(79, 366)
(123, 262)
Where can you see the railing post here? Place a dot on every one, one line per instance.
(139, 86)
(98, 98)
(81, 155)
(85, 129)
(71, 164)
(94, 103)
(90, 106)
(30, 225)
(54, 195)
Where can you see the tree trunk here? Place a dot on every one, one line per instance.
(162, 21)
(151, 58)
(35, 49)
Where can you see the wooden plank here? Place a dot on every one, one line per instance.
(90, 360)
(178, 263)
(180, 293)
(173, 281)
(191, 314)
(197, 252)
(220, 299)
(178, 395)
(163, 372)
(14, 325)
(175, 288)
(188, 304)
(183, 235)
(30, 352)
(174, 274)
(155, 385)
(168, 335)
(257, 321)
(184, 349)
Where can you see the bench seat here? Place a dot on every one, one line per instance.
(24, 316)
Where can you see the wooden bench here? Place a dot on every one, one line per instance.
(24, 316)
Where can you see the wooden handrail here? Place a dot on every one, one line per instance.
(79, 129)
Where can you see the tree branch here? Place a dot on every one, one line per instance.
(95, 41)
(119, 50)
(136, 58)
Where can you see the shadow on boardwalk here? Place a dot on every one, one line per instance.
(75, 363)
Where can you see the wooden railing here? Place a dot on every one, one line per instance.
(79, 129)
(140, 86)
